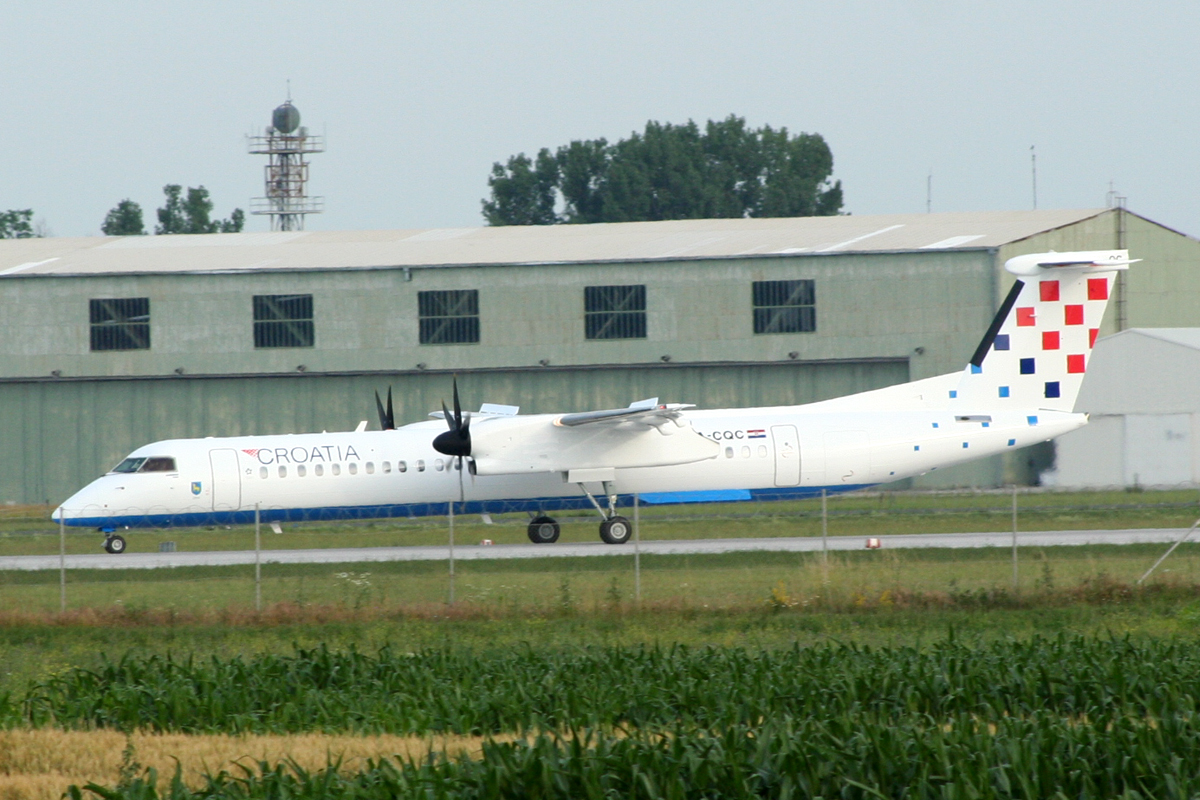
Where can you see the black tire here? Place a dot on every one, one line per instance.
(616, 530)
(543, 530)
(115, 545)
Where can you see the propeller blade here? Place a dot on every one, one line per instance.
(457, 406)
(457, 440)
(387, 419)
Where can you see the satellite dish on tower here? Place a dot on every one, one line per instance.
(286, 118)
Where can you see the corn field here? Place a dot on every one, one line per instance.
(1048, 717)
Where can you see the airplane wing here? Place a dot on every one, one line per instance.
(646, 434)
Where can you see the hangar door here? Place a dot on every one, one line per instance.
(1158, 449)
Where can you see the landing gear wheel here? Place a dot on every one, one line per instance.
(114, 544)
(543, 530)
(615, 530)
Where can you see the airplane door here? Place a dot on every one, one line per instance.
(787, 455)
(226, 480)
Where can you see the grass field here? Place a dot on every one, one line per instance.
(28, 530)
(702, 581)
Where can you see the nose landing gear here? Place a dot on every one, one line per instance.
(113, 543)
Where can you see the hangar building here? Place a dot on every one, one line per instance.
(110, 343)
(1143, 394)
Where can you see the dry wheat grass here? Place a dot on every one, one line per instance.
(41, 764)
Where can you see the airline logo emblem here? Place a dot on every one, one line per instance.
(196, 487)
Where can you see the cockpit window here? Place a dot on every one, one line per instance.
(152, 464)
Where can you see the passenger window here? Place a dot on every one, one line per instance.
(420, 465)
(387, 467)
(402, 466)
(159, 464)
(745, 452)
(282, 471)
(319, 470)
(370, 467)
(353, 468)
(300, 470)
(762, 451)
(729, 452)
(262, 472)
(336, 469)
(438, 465)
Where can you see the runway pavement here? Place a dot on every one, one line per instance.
(360, 555)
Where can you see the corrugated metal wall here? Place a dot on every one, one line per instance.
(61, 434)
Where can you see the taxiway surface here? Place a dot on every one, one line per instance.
(362, 555)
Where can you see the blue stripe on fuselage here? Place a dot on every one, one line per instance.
(414, 510)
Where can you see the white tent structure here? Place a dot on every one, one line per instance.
(1143, 394)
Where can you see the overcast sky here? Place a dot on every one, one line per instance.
(104, 101)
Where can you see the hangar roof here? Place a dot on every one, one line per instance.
(1186, 337)
(671, 240)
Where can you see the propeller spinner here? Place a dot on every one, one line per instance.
(457, 440)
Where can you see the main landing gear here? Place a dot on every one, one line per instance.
(614, 529)
(543, 530)
(114, 543)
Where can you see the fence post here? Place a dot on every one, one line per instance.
(824, 537)
(637, 553)
(1014, 536)
(62, 564)
(257, 557)
(451, 517)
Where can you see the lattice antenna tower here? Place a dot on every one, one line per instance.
(286, 143)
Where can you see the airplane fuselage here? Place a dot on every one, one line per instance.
(774, 452)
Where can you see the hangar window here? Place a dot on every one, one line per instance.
(120, 324)
(283, 320)
(449, 316)
(784, 307)
(614, 312)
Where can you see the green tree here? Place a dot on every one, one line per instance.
(125, 219)
(17, 224)
(669, 172)
(191, 214)
(522, 191)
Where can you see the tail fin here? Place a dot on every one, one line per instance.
(1036, 351)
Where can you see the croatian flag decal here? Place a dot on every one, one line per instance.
(758, 434)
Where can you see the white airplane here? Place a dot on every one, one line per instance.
(1018, 389)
